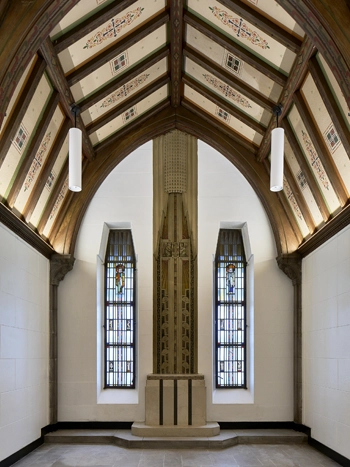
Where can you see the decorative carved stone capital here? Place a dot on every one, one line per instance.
(59, 266)
(291, 266)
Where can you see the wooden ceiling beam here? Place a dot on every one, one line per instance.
(123, 79)
(330, 103)
(235, 48)
(176, 42)
(20, 108)
(228, 78)
(120, 46)
(306, 170)
(264, 24)
(33, 148)
(90, 24)
(321, 149)
(224, 104)
(46, 170)
(295, 78)
(127, 104)
(59, 81)
(218, 125)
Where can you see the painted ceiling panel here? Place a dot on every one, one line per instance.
(227, 92)
(223, 116)
(335, 88)
(40, 159)
(23, 136)
(245, 33)
(314, 161)
(119, 64)
(128, 116)
(56, 208)
(108, 33)
(234, 65)
(127, 90)
(327, 129)
(295, 208)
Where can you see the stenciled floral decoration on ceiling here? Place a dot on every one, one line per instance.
(227, 91)
(37, 162)
(315, 160)
(125, 90)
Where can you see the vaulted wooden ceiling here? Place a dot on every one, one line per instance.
(140, 68)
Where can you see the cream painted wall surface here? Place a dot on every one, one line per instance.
(24, 343)
(126, 196)
(326, 343)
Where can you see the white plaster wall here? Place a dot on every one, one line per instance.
(126, 196)
(24, 343)
(326, 343)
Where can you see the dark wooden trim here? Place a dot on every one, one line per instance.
(321, 149)
(295, 78)
(330, 103)
(120, 46)
(91, 23)
(18, 227)
(305, 168)
(264, 24)
(59, 81)
(224, 104)
(339, 458)
(50, 162)
(235, 48)
(219, 126)
(176, 39)
(127, 104)
(21, 107)
(228, 78)
(33, 147)
(123, 79)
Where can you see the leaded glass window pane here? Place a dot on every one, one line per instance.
(120, 310)
(230, 310)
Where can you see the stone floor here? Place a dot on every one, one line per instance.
(249, 455)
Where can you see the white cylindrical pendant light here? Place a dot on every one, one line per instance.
(277, 159)
(75, 155)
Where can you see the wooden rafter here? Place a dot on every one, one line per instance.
(120, 46)
(295, 78)
(176, 33)
(127, 104)
(123, 79)
(59, 81)
(224, 104)
(321, 149)
(216, 124)
(235, 48)
(264, 24)
(20, 108)
(33, 147)
(46, 170)
(228, 78)
(91, 23)
(305, 168)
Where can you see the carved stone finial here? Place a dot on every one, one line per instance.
(59, 266)
(290, 264)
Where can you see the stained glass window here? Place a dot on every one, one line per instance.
(230, 310)
(120, 310)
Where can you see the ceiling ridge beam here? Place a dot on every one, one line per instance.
(59, 81)
(321, 149)
(20, 108)
(120, 46)
(123, 79)
(49, 164)
(33, 148)
(295, 78)
(305, 168)
(176, 44)
(330, 103)
(225, 129)
(125, 105)
(225, 105)
(263, 23)
(235, 48)
(90, 24)
(228, 78)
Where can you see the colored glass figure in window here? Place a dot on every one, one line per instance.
(230, 279)
(120, 278)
